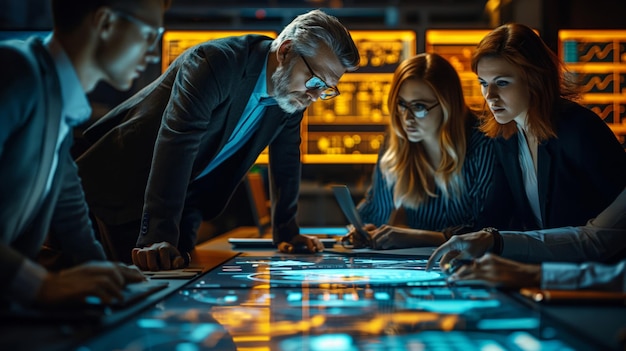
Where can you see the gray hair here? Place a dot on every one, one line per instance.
(308, 31)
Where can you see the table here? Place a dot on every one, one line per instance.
(264, 300)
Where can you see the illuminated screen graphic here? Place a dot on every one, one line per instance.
(318, 270)
(327, 302)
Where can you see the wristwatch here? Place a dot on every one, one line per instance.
(497, 240)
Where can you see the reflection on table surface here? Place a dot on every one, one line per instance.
(326, 302)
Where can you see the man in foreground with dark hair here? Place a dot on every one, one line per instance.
(43, 95)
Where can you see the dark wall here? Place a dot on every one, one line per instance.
(581, 14)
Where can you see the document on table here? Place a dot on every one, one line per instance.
(183, 273)
(422, 252)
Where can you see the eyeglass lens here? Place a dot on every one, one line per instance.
(317, 83)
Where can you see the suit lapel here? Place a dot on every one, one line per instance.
(51, 114)
(268, 128)
(510, 163)
(237, 107)
(512, 170)
(244, 88)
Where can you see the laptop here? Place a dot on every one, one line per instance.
(344, 199)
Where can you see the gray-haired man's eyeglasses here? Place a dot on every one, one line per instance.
(316, 83)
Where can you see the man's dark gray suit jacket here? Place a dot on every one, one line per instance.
(30, 115)
(183, 119)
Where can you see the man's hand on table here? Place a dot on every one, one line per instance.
(160, 256)
(300, 242)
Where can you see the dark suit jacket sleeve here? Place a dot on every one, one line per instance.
(17, 81)
(17, 102)
(285, 172)
(70, 226)
(601, 239)
(499, 202)
(599, 155)
(588, 168)
(200, 85)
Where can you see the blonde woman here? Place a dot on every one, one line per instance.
(433, 174)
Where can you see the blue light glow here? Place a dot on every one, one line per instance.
(230, 298)
(452, 307)
(185, 346)
(382, 296)
(202, 331)
(294, 296)
(351, 276)
(510, 323)
(151, 323)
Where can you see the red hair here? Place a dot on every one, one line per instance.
(540, 69)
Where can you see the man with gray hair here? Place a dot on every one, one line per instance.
(174, 153)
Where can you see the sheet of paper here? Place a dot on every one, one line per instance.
(184, 273)
(413, 252)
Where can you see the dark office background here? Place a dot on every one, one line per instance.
(547, 16)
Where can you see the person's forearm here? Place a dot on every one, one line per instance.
(27, 282)
(427, 238)
(588, 275)
(567, 244)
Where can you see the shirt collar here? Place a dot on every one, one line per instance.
(260, 89)
(76, 107)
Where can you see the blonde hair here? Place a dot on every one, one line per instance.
(404, 164)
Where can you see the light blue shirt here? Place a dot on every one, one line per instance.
(248, 123)
(75, 105)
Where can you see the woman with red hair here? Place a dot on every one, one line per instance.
(557, 163)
